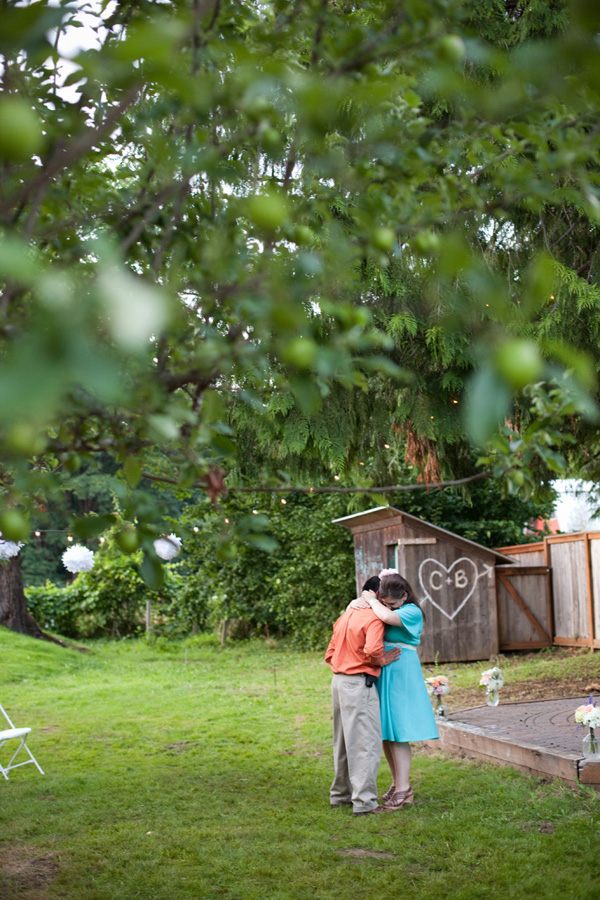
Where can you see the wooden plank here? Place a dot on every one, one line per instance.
(410, 542)
(523, 570)
(576, 536)
(368, 556)
(521, 548)
(571, 618)
(523, 645)
(528, 758)
(522, 606)
(549, 599)
(375, 526)
(595, 555)
(576, 642)
(494, 621)
(589, 773)
(566, 538)
(590, 599)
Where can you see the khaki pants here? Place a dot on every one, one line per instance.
(356, 742)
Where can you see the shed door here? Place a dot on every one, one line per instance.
(524, 607)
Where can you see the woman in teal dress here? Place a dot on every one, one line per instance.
(406, 711)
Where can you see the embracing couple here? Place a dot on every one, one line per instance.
(378, 693)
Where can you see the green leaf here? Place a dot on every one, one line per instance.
(132, 471)
(487, 404)
(92, 526)
(152, 571)
(263, 542)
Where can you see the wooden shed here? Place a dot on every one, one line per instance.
(456, 579)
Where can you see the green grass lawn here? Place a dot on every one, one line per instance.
(208, 780)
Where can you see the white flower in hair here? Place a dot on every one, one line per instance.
(8, 549)
(78, 559)
(168, 547)
(385, 572)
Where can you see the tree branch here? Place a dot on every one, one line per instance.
(290, 489)
(63, 157)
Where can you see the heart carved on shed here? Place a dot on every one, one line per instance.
(451, 587)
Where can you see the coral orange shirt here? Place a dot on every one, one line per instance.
(357, 643)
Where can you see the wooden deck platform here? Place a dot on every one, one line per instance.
(538, 737)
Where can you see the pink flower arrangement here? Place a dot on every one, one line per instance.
(492, 679)
(437, 685)
(588, 715)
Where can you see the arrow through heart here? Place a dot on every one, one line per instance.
(452, 586)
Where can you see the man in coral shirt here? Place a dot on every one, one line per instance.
(356, 655)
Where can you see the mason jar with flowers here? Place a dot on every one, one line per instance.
(588, 715)
(438, 686)
(492, 681)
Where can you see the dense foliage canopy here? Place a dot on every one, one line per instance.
(258, 241)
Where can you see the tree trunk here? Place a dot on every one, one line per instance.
(13, 605)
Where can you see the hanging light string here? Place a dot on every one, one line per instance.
(289, 489)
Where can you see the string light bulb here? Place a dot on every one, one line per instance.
(69, 537)
(283, 501)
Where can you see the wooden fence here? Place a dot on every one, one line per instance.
(552, 596)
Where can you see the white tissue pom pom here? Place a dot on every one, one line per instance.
(8, 549)
(168, 547)
(78, 559)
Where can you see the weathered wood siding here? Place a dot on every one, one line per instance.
(454, 582)
(574, 562)
(524, 607)
(370, 550)
(551, 594)
(595, 558)
(570, 594)
(526, 554)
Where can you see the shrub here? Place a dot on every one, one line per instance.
(297, 590)
(55, 608)
(109, 600)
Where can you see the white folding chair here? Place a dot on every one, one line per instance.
(19, 733)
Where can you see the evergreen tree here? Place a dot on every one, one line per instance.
(248, 240)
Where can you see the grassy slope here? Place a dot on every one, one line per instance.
(209, 779)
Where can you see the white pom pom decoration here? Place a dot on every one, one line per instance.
(168, 547)
(8, 549)
(78, 559)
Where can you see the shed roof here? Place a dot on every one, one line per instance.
(381, 513)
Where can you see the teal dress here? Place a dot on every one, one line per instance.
(406, 711)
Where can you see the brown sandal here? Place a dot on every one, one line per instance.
(400, 799)
(389, 793)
